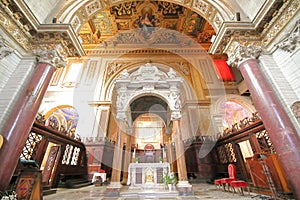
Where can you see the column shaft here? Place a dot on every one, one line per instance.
(17, 128)
(179, 147)
(117, 162)
(127, 159)
(276, 121)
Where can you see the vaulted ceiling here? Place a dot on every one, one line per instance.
(148, 16)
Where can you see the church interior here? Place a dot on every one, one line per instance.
(135, 97)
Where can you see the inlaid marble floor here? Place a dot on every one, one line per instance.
(201, 191)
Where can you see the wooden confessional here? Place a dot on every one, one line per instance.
(261, 169)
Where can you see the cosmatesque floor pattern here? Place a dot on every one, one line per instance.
(201, 191)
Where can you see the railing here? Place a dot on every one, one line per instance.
(62, 157)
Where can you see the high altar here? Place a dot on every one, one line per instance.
(145, 175)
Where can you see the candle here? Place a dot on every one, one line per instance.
(164, 153)
(133, 153)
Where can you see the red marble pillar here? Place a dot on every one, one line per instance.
(281, 130)
(16, 130)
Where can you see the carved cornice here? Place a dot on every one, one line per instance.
(279, 21)
(230, 31)
(292, 40)
(265, 29)
(5, 49)
(30, 35)
(121, 51)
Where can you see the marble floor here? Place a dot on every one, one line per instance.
(201, 191)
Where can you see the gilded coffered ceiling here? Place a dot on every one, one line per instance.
(148, 17)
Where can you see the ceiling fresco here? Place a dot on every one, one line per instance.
(149, 17)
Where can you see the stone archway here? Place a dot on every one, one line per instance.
(149, 80)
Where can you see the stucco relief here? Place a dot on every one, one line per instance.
(14, 30)
(292, 40)
(5, 49)
(93, 7)
(296, 110)
(282, 17)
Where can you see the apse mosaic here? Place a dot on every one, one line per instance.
(233, 113)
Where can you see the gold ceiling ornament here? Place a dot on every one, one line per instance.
(127, 8)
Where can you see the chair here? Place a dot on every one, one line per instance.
(221, 183)
(239, 184)
(232, 177)
(218, 183)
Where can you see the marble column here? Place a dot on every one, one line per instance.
(127, 158)
(114, 187)
(276, 121)
(17, 128)
(170, 154)
(183, 185)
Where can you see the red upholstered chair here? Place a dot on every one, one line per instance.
(239, 184)
(232, 177)
(218, 183)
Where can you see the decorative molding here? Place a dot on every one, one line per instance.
(280, 18)
(114, 51)
(93, 7)
(292, 40)
(5, 49)
(31, 36)
(14, 29)
(265, 29)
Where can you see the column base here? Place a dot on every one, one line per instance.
(113, 189)
(184, 188)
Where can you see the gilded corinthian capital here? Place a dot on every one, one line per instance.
(243, 52)
(51, 56)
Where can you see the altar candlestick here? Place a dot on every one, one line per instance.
(133, 153)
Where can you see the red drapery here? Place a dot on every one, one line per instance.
(223, 70)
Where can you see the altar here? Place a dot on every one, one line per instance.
(147, 175)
